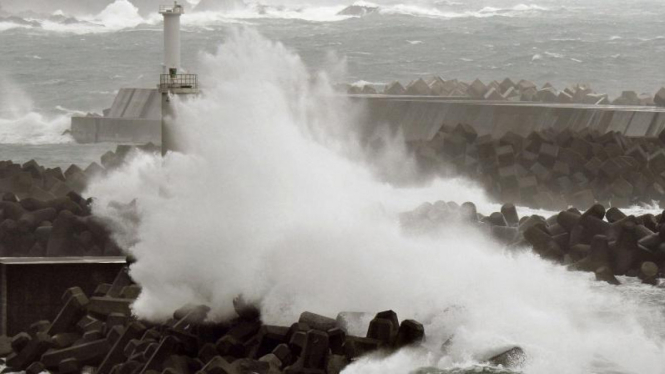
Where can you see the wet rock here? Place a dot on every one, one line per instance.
(512, 358)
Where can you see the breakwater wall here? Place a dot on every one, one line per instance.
(420, 117)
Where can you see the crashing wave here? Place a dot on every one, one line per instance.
(359, 9)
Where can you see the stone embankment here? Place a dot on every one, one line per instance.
(42, 212)
(509, 90)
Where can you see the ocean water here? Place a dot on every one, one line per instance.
(71, 56)
(273, 198)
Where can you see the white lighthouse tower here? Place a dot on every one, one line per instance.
(173, 81)
(171, 36)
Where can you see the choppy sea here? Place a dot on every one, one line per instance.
(71, 56)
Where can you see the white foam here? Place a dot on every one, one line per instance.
(21, 124)
(274, 200)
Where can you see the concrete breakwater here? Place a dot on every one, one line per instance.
(419, 118)
(551, 169)
(97, 333)
(606, 242)
(42, 212)
(508, 90)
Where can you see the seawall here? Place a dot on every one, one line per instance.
(420, 117)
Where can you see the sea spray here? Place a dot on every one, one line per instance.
(259, 205)
(21, 124)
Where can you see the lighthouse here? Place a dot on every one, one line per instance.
(171, 36)
(142, 115)
(173, 80)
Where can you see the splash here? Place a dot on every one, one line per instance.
(21, 124)
(266, 202)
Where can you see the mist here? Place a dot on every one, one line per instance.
(267, 201)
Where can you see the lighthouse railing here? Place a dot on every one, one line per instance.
(178, 81)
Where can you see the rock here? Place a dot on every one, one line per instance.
(512, 358)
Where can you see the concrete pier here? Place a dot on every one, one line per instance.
(136, 115)
(31, 287)
(420, 117)
(135, 118)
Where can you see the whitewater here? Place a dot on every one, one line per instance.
(274, 198)
(278, 208)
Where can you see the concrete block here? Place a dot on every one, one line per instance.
(659, 98)
(86, 353)
(564, 98)
(547, 95)
(228, 345)
(356, 346)
(270, 337)
(336, 364)
(593, 167)
(657, 162)
(104, 306)
(418, 87)
(165, 348)
(19, 341)
(477, 89)
(317, 322)
(493, 95)
(514, 357)
(621, 187)
(505, 155)
(70, 313)
(598, 257)
(548, 154)
(438, 87)
(218, 365)
(30, 353)
(582, 199)
(410, 332)
(507, 84)
(35, 368)
(283, 353)
(394, 88)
